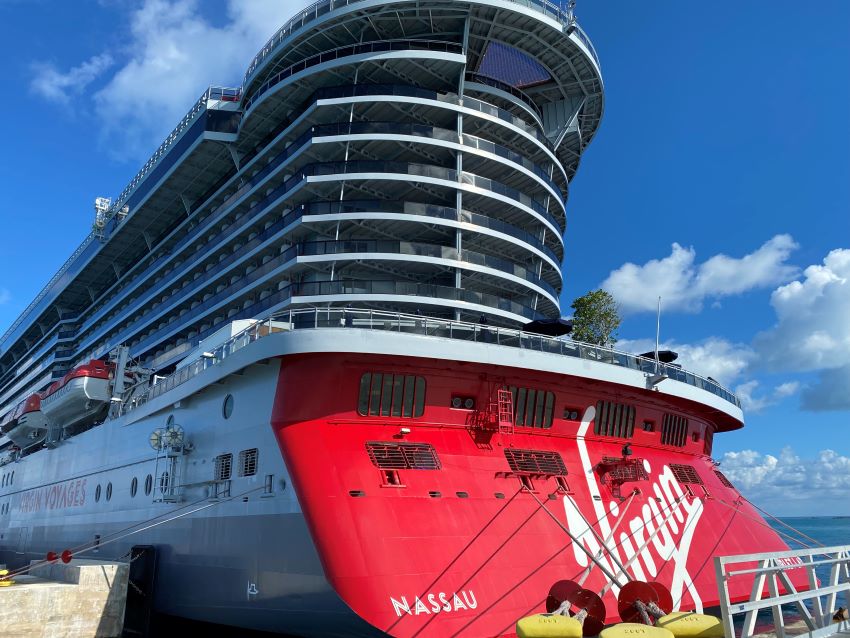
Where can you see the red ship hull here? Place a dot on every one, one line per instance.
(471, 547)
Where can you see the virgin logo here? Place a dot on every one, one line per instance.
(667, 517)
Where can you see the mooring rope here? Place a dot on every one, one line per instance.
(120, 534)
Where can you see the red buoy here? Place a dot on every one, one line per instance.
(52, 556)
(67, 556)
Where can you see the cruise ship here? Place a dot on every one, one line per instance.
(311, 353)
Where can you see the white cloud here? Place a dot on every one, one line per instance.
(752, 400)
(684, 285)
(787, 484)
(173, 54)
(53, 85)
(812, 332)
(787, 389)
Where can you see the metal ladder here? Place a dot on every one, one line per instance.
(505, 411)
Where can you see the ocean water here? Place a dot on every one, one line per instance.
(826, 530)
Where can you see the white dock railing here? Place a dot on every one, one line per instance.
(772, 587)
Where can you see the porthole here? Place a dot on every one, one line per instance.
(227, 406)
(97, 494)
(109, 491)
(134, 487)
(148, 484)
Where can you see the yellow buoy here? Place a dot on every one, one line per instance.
(545, 626)
(634, 630)
(687, 624)
(4, 581)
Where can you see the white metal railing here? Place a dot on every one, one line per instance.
(322, 7)
(772, 587)
(317, 318)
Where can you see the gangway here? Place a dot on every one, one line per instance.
(772, 588)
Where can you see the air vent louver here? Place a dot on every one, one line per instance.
(403, 456)
(685, 474)
(536, 462)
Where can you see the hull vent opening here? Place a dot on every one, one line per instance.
(725, 481)
(536, 462)
(403, 456)
(674, 430)
(685, 474)
(614, 419)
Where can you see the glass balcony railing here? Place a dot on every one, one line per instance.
(423, 250)
(355, 318)
(522, 96)
(380, 46)
(428, 210)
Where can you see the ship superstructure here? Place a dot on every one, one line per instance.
(307, 312)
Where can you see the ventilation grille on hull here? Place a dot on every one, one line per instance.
(403, 456)
(685, 474)
(536, 462)
(723, 479)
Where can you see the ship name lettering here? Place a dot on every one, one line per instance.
(59, 496)
(434, 603)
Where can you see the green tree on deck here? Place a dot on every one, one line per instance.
(596, 318)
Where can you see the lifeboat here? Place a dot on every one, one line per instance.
(26, 424)
(80, 397)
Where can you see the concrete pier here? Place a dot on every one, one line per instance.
(82, 599)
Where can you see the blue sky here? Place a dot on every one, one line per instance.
(718, 179)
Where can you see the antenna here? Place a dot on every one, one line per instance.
(571, 16)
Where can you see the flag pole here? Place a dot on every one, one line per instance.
(657, 332)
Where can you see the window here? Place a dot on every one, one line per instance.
(148, 484)
(614, 419)
(248, 462)
(227, 406)
(533, 408)
(709, 440)
(223, 467)
(134, 487)
(385, 394)
(97, 494)
(109, 491)
(674, 430)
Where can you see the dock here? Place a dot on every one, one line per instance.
(81, 599)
